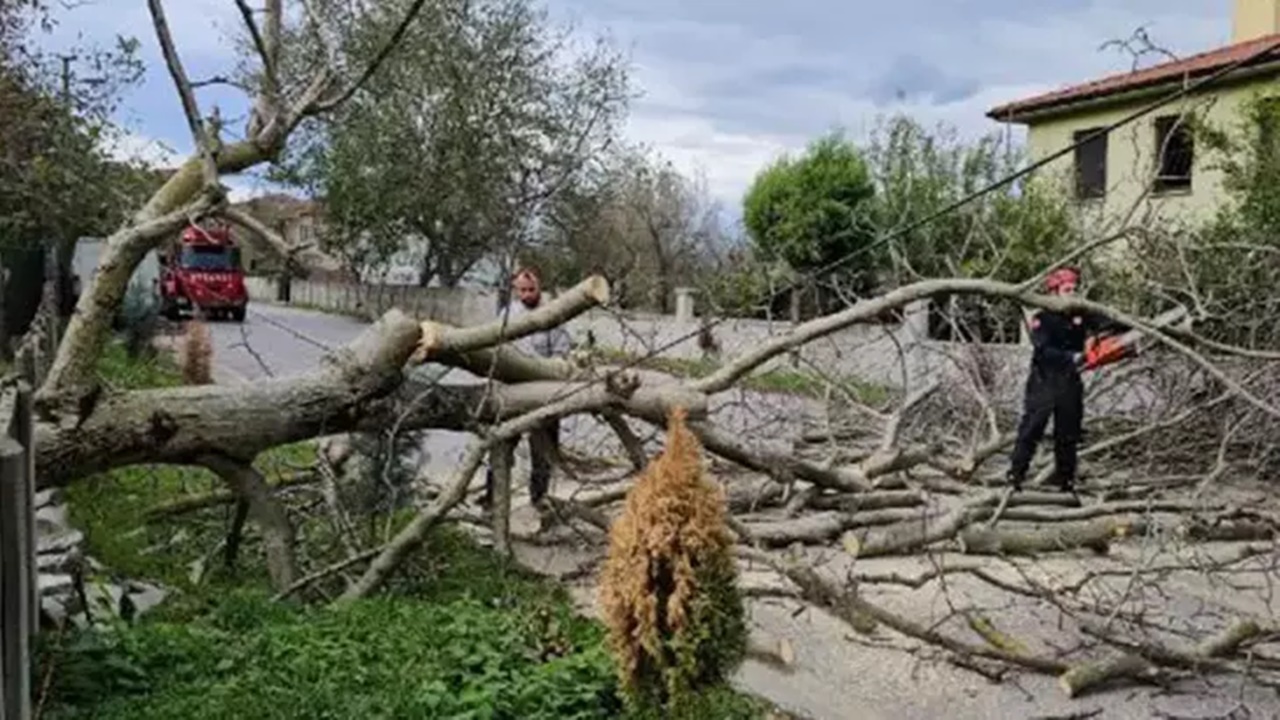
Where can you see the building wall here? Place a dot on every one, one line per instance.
(1131, 155)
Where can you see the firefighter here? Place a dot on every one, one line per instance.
(1063, 344)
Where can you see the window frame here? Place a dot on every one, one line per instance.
(1090, 186)
(1167, 128)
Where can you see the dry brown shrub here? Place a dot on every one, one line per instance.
(197, 354)
(669, 585)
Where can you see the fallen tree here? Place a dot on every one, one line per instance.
(914, 485)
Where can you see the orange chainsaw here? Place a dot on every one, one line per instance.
(1108, 349)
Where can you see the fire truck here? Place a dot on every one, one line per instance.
(200, 273)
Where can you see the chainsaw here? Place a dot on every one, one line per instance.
(1107, 349)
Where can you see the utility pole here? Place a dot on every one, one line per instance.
(66, 76)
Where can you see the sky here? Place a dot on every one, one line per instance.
(729, 85)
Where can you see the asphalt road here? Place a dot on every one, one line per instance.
(836, 674)
(277, 342)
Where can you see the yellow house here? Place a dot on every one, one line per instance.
(1152, 168)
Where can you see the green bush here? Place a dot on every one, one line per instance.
(463, 635)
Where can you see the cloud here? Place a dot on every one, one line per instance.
(729, 86)
(911, 77)
(126, 146)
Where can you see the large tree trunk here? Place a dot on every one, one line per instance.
(355, 387)
(180, 425)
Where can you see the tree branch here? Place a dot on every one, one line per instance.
(267, 55)
(306, 256)
(89, 326)
(199, 133)
(410, 15)
(727, 376)
(415, 532)
(438, 339)
(266, 510)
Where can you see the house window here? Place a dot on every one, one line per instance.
(1175, 153)
(1091, 163)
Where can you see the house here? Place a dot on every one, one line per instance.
(1154, 163)
(300, 221)
(296, 220)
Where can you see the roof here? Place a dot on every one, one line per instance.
(280, 205)
(1205, 63)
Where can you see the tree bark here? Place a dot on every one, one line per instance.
(1095, 535)
(179, 425)
(266, 510)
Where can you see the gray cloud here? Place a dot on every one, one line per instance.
(910, 77)
(729, 84)
(748, 80)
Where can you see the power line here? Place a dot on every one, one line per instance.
(1100, 132)
(1138, 114)
(1182, 92)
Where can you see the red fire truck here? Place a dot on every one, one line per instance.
(200, 272)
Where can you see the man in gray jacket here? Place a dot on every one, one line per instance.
(543, 440)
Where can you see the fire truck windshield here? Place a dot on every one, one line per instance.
(196, 257)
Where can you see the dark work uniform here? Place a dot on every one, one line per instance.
(1054, 390)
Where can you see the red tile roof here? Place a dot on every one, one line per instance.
(1205, 63)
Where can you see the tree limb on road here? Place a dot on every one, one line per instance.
(181, 194)
(179, 425)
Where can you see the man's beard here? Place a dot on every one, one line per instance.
(531, 303)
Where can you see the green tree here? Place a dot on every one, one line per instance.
(57, 180)
(1008, 234)
(638, 221)
(812, 210)
(452, 152)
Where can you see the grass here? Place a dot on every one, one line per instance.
(769, 381)
(463, 636)
(110, 508)
(459, 633)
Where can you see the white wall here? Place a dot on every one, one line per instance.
(85, 263)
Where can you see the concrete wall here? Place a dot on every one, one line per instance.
(454, 306)
(88, 252)
(888, 354)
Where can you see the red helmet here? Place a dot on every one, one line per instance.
(1060, 277)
